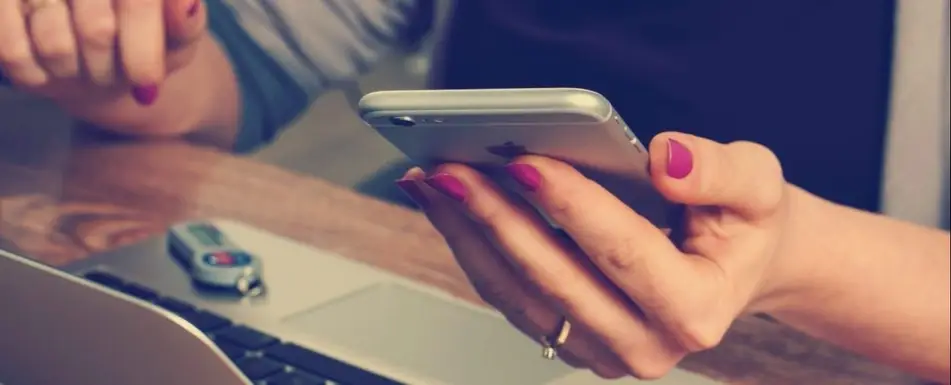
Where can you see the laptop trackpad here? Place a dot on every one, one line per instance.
(423, 333)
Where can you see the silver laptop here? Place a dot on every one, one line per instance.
(134, 317)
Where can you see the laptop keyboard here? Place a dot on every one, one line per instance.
(264, 359)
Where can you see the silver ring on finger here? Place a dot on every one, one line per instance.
(32, 6)
(551, 344)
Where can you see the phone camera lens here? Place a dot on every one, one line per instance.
(403, 121)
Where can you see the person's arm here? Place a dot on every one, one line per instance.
(200, 100)
(871, 284)
(263, 64)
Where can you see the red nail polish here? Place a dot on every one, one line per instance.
(193, 9)
(449, 186)
(679, 160)
(412, 190)
(145, 95)
(525, 175)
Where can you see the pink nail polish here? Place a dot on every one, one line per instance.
(449, 186)
(193, 9)
(412, 190)
(679, 160)
(525, 175)
(145, 95)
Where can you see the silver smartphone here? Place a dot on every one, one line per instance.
(486, 128)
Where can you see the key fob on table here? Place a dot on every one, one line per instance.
(213, 260)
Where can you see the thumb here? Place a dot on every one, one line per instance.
(744, 177)
(185, 22)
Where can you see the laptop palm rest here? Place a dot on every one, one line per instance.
(474, 348)
(360, 315)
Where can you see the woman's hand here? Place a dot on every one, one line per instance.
(90, 51)
(638, 302)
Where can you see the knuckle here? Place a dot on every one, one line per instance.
(767, 168)
(560, 209)
(697, 337)
(559, 204)
(620, 255)
(757, 154)
(98, 32)
(17, 63)
(53, 42)
(56, 49)
(15, 53)
(623, 257)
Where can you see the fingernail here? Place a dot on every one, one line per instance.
(448, 185)
(145, 95)
(525, 175)
(412, 190)
(193, 9)
(679, 160)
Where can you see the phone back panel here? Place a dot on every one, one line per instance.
(487, 128)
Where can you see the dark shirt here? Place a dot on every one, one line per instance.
(807, 78)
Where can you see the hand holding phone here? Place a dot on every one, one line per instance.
(486, 128)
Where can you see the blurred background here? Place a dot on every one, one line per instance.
(315, 144)
(378, 163)
(329, 141)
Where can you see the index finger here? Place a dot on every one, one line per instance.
(633, 253)
(552, 267)
(142, 40)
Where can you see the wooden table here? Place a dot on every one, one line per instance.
(62, 199)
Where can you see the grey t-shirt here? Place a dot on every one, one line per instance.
(288, 52)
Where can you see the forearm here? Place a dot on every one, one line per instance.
(871, 284)
(200, 101)
(256, 77)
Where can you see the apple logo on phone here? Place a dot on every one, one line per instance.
(507, 150)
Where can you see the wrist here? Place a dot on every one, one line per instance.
(192, 97)
(795, 276)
